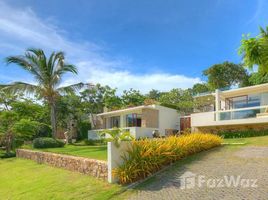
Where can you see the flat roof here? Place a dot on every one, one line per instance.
(246, 90)
(127, 110)
(238, 91)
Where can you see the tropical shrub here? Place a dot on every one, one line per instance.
(147, 156)
(46, 142)
(117, 135)
(83, 128)
(243, 134)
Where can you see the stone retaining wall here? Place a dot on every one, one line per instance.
(96, 168)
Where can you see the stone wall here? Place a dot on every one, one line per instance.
(96, 168)
(150, 118)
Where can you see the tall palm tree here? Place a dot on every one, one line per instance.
(255, 51)
(48, 73)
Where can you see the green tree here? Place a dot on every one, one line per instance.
(70, 113)
(12, 128)
(111, 100)
(132, 98)
(258, 78)
(7, 121)
(96, 97)
(154, 94)
(48, 74)
(225, 75)
(27, 109)
(200, 88)
(7, 98)
(179, 99)
(254, 50)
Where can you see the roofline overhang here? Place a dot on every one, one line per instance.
(127, 110)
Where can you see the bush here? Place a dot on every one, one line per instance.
(46, 142)
(150, 155)
(44, 130)
(83, 128)
(7, 155)
(243, 134)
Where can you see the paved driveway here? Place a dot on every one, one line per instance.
(204, 172)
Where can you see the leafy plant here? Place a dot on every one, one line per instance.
(46, 142)
(147, 156)
(48, 73)
(117, 135)
(243, 134)
(254, 50)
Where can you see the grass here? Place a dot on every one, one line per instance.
(24, 179)
(94, 152)
(252, 141)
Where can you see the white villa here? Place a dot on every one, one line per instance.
(242, 108)
(140, 121)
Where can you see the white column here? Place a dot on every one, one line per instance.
(217, 103)
(122, 121)
(115, 154)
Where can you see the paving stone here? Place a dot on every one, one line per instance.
(246, 162)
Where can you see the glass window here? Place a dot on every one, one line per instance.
(115, 122)
(133, 120)
(243, 101)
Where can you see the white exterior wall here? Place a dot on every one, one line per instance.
(264, 99)
(141, 132)
(202, 119)
(168, 119)
(115, 158)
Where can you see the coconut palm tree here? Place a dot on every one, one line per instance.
(47, 73)
(255, 51)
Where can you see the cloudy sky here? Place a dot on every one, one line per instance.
(159, 44)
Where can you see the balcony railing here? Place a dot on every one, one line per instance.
(241, 113)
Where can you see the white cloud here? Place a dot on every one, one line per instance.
(20, 29)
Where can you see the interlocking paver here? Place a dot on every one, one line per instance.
(247, 162)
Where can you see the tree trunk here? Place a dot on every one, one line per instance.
(8, 143)
(53, 119)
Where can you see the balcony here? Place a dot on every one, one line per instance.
(251, 115)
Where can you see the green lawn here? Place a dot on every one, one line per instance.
(94, 152)
(253, 141)
(24, 179)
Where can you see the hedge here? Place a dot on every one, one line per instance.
(46, 142)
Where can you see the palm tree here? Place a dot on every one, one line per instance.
(48, 73)
(255, 51)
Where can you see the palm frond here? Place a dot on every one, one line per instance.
(27, 63)
(70, 89)
(20, 87)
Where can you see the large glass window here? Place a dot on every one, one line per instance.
(243, 101)
(115, 121)
(133, 120)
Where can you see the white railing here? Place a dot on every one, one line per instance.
(240, 113)
(209, 118)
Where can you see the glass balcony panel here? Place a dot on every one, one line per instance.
(240, 114)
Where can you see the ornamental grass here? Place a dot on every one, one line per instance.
(148, 156)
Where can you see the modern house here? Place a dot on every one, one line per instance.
(140, 121)
(235, 109)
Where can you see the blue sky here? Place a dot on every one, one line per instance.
(142, 44)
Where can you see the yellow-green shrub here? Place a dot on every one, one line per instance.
(147, 156)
